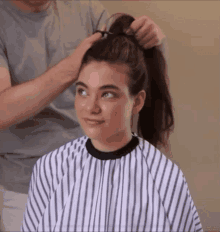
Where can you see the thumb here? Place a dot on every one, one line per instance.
(104, 27)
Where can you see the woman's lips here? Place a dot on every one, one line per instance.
(92, 122)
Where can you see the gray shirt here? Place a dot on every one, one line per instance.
(30, 43)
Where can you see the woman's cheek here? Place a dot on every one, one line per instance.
(116, 112)
(81, 103)
(79, 107)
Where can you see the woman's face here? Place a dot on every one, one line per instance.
(102, 94)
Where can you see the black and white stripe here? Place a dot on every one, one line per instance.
(71, 189)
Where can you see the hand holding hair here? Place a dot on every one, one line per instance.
(146, 31)
(75, 59)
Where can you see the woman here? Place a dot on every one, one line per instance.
(111, 179)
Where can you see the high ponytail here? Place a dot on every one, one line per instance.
(156, 117)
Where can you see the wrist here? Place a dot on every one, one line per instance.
(66, 71)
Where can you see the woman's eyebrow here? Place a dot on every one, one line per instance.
(101, 88)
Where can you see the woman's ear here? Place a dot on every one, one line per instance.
(139, 102)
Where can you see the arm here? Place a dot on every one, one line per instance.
(20, 102)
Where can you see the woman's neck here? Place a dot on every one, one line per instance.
(113, 143)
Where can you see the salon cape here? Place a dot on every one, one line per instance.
(136, 188)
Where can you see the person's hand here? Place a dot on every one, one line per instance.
(146, 31)
(75, 59)
(87, 43)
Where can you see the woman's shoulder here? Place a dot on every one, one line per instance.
(158, 164)
(62, 153)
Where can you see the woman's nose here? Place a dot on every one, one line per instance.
(93, 105)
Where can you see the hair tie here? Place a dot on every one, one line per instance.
(112, 34)
(103, 32)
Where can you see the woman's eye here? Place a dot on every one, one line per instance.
(79, 91)
(111, 95)
(82, 92)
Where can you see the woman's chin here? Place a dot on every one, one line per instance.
(92, 134)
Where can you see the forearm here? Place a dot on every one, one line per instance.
(20, 102)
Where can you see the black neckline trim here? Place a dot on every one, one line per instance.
(113, 154)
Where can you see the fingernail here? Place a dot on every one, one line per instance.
(103, 28)
(128, 32)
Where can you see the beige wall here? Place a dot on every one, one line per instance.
(192, 29)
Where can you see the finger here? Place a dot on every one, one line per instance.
(94, 37)
(145, 32)
(150, 44)
(153, 38)
(138, 24)
(147, 38)
(103, 27)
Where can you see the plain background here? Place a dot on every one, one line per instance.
(192, 30)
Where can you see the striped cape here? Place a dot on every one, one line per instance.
(136, 188)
